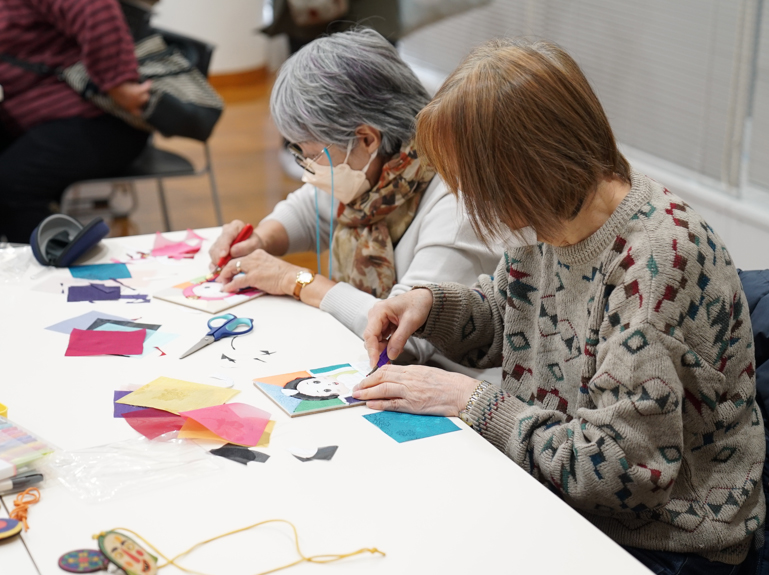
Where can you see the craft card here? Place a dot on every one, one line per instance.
(206, 295)
(314, 390)
(176, 395)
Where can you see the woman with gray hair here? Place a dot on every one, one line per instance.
(348, 103)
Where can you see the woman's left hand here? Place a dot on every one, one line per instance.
(416, 389)
(260, 270)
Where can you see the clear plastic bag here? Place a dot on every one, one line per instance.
(14, 261)
(127, 467)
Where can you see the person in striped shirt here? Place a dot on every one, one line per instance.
(50, 137)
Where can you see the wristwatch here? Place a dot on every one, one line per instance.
(464, 415)
(303, 278)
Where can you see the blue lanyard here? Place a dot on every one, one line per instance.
(331, 222)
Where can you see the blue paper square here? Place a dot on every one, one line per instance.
(100, 272)
(407, 427)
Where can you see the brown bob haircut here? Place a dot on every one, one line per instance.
(517, 128)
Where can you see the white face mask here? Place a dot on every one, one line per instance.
(348, 184)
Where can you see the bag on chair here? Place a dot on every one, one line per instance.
(182, 102)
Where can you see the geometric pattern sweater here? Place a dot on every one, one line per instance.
(628, 385)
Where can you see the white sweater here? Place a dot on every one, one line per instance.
(438, 246)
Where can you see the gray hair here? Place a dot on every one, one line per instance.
(339, 82)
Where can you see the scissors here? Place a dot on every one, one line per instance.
(225, 325)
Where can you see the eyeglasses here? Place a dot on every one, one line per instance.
(299, 158)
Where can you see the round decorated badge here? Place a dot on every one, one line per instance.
(9, 528)
(83, 561)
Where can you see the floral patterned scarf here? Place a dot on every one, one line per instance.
(370, 226)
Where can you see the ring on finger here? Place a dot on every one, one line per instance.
(237, 266)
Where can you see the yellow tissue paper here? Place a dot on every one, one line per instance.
(176, 395)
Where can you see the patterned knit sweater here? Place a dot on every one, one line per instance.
(628, 384)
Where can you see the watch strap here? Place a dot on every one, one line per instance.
(300, 284)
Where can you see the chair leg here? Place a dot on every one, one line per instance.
(214, 189)
(163, 205)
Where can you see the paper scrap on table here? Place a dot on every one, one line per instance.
(186, 248)
(176, 395)
(152, 423)
(86, 342)
(93, 292)
(240, 454)
(119, 409)
(100, 271)
(227, 381)
(238, 423)
(319, 454)
(82, 321)
(407, 427)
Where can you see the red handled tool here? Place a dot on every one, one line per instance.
(244, 234)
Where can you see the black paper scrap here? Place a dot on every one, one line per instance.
(240, 454)
(323, 454)
(228, 358)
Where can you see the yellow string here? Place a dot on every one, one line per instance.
(320, 559)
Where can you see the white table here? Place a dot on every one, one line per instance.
(446, 504)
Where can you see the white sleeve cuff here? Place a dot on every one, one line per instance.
(348, 305)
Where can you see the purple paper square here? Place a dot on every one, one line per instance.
(93, 292)
(120, 408)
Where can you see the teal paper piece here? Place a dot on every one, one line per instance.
(322, 370)
(407, 427)
(276, 393)
(100, 272)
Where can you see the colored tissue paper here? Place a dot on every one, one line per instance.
(193, 430)
(321, 454)
(82, 322)
(407, 427)
(238, 423)
(152, 423)
(86, 342)
(120, 409)
(176, 395)
(93, 292)
(153, 340)
(100, 271)
(240, 454)
(186, 248)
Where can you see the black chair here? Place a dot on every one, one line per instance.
(157, 164)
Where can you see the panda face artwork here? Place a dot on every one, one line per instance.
(315, 388)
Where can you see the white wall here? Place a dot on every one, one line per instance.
(229, 24)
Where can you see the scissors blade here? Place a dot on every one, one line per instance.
(207, 340)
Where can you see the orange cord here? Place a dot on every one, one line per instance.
(20, 505)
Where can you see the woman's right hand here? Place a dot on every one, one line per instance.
(396, 318)
(222, 244)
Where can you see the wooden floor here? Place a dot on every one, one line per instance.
(245, 148)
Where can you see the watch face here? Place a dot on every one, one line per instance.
(304, 277)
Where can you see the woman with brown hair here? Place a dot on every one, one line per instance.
(628, 385)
